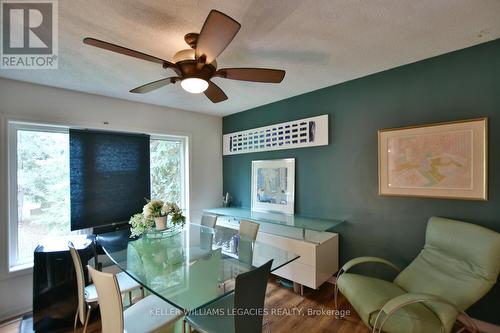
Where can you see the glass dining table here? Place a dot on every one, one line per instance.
(191, 267)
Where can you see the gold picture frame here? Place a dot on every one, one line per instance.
(442, 160)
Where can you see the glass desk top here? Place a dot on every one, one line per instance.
(295, 221)
(189, 268)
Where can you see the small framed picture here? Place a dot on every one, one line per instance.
(445, 160)
(273, 185)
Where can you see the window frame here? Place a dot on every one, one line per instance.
(13, 125)
(12, 186)
(184, 164)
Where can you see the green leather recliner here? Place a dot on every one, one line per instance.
(458, 265)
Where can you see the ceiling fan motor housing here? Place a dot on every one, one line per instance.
(185, 60)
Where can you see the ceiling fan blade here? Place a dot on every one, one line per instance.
(252, 74)
(214, 93)
(216, 34)
(126, 51)
(154, 85)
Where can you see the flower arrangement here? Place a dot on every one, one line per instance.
(140, 224)
(172, 208)
(155, 212)
(153, 209)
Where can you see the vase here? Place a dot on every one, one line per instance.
(161, 222)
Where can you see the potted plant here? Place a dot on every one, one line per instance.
(154, 210)
(156, 213)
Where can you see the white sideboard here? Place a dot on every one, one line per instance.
(318, 249)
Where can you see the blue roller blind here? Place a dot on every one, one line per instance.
(109, 175)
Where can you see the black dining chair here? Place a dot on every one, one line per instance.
(238, 312)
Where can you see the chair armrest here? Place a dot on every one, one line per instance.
(356, 261)
(406, 299)
(362, 260)
(401, 301)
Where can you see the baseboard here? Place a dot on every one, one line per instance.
(14, 313)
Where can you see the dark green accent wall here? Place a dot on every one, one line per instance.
(340, 180)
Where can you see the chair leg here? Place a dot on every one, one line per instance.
(89, 310)
(76, 319)
(130, 298)
(267, 324)
(336, 288)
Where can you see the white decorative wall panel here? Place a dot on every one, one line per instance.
(307, 132)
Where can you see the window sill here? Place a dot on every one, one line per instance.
(19, 270)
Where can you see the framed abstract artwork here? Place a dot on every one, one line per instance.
(273, 185)
(444, 160)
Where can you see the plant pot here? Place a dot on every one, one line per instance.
(161, 222)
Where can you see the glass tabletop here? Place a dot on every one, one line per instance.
(190, 267)
(295, 221)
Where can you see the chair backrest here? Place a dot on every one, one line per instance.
(110, 301)
(249, 229)
(206, 240)
(80, 282)
(249, 296)
(209, 220)
(460, 262)
(245, 250)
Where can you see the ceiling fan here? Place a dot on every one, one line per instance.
(196, 67)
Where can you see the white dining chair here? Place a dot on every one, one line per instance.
(150, 314)
(87, 295)
(208, 220)
(249, 229)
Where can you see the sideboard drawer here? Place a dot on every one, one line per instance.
(306, 250)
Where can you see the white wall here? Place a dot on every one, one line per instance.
(30, 102)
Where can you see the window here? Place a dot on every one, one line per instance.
(39, 188)
(39, 191)
(167, 165)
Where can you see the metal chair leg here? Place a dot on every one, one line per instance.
(89, 310)
(336, 289)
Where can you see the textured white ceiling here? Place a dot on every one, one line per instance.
(318, 42)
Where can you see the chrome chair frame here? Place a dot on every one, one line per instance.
(431, 298)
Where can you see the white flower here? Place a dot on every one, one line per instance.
(139, 224)
(152, 209)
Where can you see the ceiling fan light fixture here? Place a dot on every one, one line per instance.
(194, 85)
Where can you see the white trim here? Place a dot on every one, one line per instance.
(15, 313)
(11, 203)
(4, 250)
